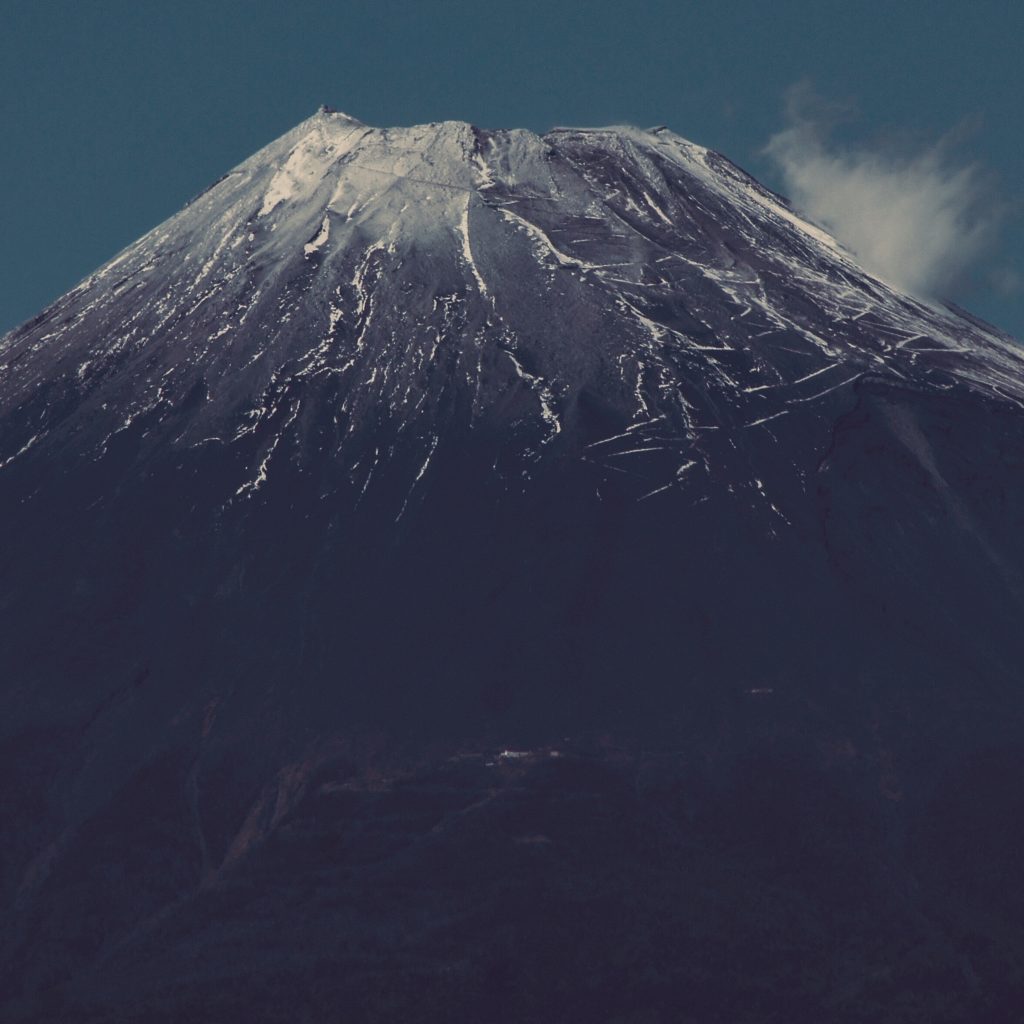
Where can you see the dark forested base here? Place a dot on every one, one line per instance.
(776, 879)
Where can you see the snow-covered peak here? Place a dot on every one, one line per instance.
(436, 270)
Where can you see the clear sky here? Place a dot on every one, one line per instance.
(115, 112)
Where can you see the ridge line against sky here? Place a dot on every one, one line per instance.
(114, 117)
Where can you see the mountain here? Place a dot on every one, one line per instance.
(460, 574)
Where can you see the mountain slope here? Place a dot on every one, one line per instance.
(658, 276)
(399, 445)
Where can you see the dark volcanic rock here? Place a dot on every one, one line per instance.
(397, 449)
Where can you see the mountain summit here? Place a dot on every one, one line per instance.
(443, 279)
(574, 464)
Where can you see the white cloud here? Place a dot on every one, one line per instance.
(919, 221)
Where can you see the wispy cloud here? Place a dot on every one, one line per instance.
(919, 220)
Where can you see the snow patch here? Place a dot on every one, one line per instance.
(544, 396)
(307, 165)
(318, 243)
(467, 251)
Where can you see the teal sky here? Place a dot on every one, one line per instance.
(114, 113)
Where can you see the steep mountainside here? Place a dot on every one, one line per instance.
(464, 535)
